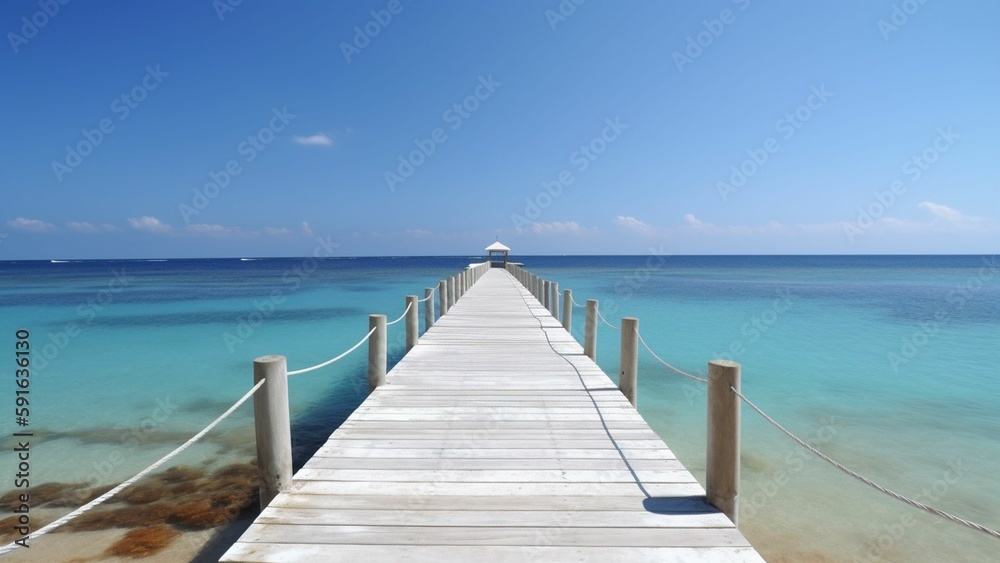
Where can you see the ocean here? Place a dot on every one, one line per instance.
(889, 364)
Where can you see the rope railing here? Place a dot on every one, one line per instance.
(101, 499)
(672, 368)
(401, 317)
(429, 296)
(575, 304)
(600, 316)
(865, 480)
(332, 360)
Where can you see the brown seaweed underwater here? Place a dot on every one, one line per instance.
(156, 510)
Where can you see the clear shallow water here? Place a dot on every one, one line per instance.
(159, 350)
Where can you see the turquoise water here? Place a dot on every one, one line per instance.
(888, 364)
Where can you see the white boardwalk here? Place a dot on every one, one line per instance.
(495, 439)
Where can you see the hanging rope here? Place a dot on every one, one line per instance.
(101, 499)
(867, 481)
(678, 371)
(600, 316)
(332, 360)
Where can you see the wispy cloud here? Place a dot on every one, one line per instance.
(149, 223)
(557, 227)
(630, 223)
(276, 231)
(30, 225)
(85, 227)
(943, 212)
(307, 230)
(319, 139)
(213, 230)
(693, 221)
(417, 233)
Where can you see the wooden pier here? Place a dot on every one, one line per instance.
(494, 439)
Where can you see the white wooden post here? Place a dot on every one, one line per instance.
(412, 322)
(376, 352)
(273, 428)
(628, 359)
(590, 330)
(722, 471)
(567, 312)
(442, 297)
(554, 299)
(546, 288)
(428, 308)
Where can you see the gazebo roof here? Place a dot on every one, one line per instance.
(497, 247)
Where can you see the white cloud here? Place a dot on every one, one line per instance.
(693, 221)
(319, 139)
(306, 230)
(213, 230)
(30, 225)
(149, 223)
(631, 223)
(85, 227)
(944, 212)
(276, 231)
(417, 233)
(557, 227)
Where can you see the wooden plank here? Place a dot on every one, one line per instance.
(286, 552)
(495, 535)
(326, 516)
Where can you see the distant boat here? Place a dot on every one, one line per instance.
(248, 259)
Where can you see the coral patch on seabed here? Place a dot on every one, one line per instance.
(156, 510)
(143, 542)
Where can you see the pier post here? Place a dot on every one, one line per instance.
(412, 322)
(442, 298)
(628, 360)
(554, 299)
(567, 318)
(722, 471)
(376, 352)
(271, 423)
(428, 308)
(545, 294)
(590, 330)
(452, 291)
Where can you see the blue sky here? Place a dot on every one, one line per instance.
(200, 129)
